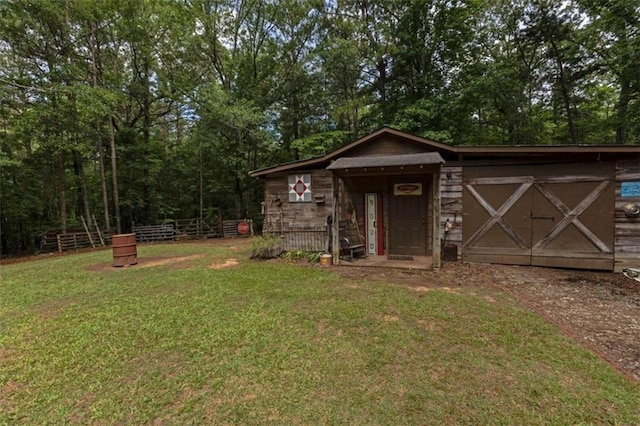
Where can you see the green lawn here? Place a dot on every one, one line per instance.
(270, 342)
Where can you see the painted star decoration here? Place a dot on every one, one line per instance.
(300, 188)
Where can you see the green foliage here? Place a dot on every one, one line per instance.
(321, 143)
(199, 93)
(308, 256)
(266, 247)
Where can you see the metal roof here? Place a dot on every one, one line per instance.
(386, 161)
(460, 151)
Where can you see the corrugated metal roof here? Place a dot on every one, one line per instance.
(386, 161)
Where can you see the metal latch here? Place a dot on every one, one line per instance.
(541, 217)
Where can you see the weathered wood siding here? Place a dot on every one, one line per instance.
(451, 205)
(280, 214)
(627, 230)
(387, 146)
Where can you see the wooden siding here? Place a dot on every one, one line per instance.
(280, 214)
(627, 230)
(388, 146)
(451, 205)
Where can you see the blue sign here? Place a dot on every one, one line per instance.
(630, 189)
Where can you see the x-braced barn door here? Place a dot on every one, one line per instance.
(548, 215)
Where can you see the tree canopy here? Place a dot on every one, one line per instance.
(139, 111)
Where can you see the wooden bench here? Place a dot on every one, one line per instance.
(351, 244)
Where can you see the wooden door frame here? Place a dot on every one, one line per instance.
(434, 172)
(423, 206)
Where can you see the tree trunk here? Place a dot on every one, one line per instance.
(623, 108)
(62, 193)
(239, 199)
(382, 87)
(566, 96)
(103, 182)
(95, 57)
(114, 176)
(146, 135)
(83, 195)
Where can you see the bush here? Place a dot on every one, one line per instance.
(266, 247)
(309, 256)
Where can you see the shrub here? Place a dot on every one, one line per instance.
(266, 247)
(309, 256)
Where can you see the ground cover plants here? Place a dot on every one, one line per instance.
(201, 334)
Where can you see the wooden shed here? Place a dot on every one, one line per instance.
(393, 195)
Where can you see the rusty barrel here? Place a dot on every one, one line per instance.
(124, 249)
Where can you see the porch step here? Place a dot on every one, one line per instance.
(399, 257)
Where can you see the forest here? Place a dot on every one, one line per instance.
(144, 111)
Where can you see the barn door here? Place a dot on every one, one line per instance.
(572, 216)
(496, 225)
(547, 215)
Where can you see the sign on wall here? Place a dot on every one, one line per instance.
(407, 189)
(630, 189)
(300, 188)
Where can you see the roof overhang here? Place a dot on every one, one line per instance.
(420, 159)
(461, 152)
(322, 161)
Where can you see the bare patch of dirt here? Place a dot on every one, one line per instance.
(148, 262)
(171, 260)
(226, 264)
(600, 310)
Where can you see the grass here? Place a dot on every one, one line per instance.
(270, 342)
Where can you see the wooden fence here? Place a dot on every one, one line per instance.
(198, 228)
(230, 228)
(154, 233)
(76, 239)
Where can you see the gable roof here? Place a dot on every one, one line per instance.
(327, 158)
(460, 150)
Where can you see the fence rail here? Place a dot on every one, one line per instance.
(197, 228)
(153, 233)
(230, 228)
(305, 238)
(76, 241)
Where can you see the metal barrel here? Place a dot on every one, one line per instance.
(326, 260)
(124, 249)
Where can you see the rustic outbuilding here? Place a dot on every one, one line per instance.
(394, 195)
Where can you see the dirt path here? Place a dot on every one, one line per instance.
(600, 310)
